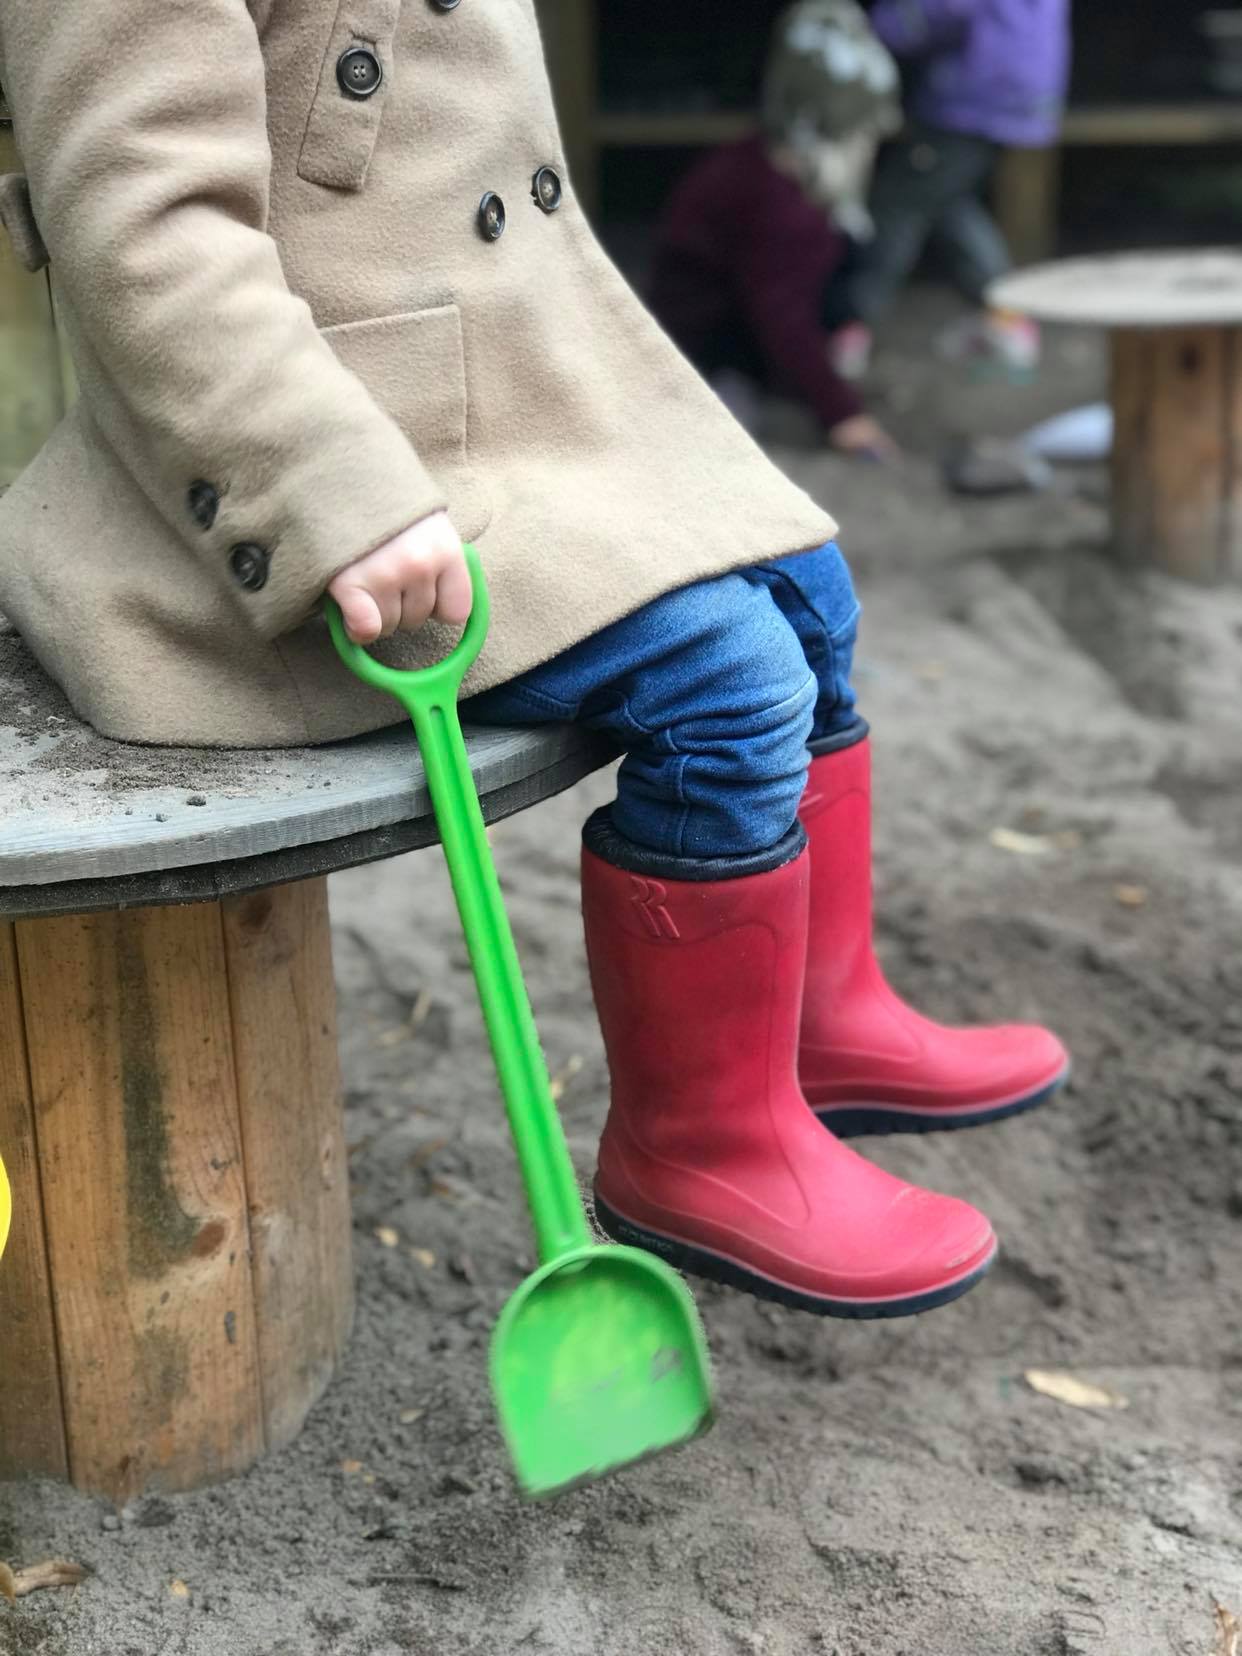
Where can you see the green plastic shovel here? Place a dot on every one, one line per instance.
(599, 1357)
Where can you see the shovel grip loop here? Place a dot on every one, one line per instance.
(436, 684)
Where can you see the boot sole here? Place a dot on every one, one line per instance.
(858, 1120)
(694, 1261)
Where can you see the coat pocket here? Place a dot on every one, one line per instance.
(415, 368)
(355, 79)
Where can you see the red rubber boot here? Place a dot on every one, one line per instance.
(868, 1062)
(710, 1157)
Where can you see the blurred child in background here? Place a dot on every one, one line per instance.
(759, 241)
(980, 75)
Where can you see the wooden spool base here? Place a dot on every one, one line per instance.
(1177, 450)
(178, 1285)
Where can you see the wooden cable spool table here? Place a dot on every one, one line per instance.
(177, 1289)
(1175, 324)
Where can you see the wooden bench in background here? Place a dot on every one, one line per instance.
(177, 1288)
(1029, 181)
(1027, 188)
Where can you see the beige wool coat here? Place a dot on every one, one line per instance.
(297, 331)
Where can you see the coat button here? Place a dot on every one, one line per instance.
(358, 72)
(249, 565)
(492, 217)
(446, 5)
(545, 187)
(204, 503)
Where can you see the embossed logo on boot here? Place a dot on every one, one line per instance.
(648, 899)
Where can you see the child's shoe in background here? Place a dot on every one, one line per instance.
(994, 344)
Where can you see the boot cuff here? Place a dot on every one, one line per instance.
(603, 841)
(840, 739)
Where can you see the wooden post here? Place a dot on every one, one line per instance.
(180, 1260)
(32, 384)
(1177, 450)
(1027, 200)
(282, 1000)
(569, 30)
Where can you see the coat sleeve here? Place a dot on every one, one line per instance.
(910, 27)
(142, 127)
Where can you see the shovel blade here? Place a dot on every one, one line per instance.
(598, 1360)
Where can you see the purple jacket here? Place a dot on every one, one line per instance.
(995, 68)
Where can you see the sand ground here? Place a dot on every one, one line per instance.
(870, 1490)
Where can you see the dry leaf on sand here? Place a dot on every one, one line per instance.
(1025, 845)
(1228, 1631)
(1131, 896)
(1067, 1388)
(53, 1572)
(564, 1076)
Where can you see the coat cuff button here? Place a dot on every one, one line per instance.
(204, 502)
(249, 564)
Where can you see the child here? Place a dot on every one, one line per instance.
(758, 240)
(212, 180)
(982, 75)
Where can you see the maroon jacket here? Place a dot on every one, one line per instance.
(745, 255)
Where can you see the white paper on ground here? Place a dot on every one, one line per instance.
(1077, 436)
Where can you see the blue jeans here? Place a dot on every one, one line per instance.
(714, 692)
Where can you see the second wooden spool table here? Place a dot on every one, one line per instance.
(1175, 326)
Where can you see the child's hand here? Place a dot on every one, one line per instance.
(862, 438)
(417, 575)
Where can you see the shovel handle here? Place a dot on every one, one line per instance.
(429, 696)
